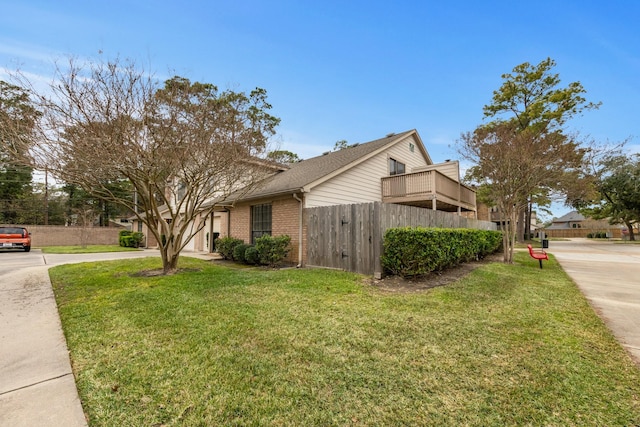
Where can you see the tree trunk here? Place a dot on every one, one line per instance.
(169, 260)
(520, 229)
(527, 222)
(170, 252)
(632, 236)
(509, 235)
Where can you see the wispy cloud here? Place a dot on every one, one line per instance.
(18, 52)
(304, 145)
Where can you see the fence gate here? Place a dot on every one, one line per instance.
(346, 237)
(349, 237)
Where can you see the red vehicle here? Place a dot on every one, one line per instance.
(15, 238)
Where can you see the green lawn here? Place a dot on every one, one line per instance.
(89, 249)
(507, 345)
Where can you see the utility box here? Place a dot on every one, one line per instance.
(545, 243)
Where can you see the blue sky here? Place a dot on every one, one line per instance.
(353, 70)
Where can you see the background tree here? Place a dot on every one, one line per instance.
(341, 144)
(180, 145)
(283, 156)
(531, 99)
(618, 187)
(17, 118)
(106, 210)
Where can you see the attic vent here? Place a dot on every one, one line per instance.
(325, 153)
(355, 145)
(390, 134)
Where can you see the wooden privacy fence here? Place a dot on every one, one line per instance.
(350, 237)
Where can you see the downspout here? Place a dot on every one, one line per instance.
(210, 233)
(295, 196)
(228, 211)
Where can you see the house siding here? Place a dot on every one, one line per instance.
(361, 184)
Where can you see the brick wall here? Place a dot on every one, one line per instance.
(284, 220)
(57, 235)
(240, 219)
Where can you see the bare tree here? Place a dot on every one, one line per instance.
(85, 217)
(181, 145)
(511, 164)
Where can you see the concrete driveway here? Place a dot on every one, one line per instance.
(608, 274)
(37, 387)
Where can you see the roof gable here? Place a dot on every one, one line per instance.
(571, 216)
(306, 174)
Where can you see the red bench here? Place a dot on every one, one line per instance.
(539, 255)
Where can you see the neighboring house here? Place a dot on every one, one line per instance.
(492, 213)
(574, 224)
(394, 169)
(568, 221)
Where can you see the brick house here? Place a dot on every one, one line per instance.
(394, 169)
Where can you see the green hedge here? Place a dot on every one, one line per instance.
(251, 256)
(129, 239)
(597, 235)
(239, 253)
(273, 250)
(226, 245)
(268, 250)
(412, 251)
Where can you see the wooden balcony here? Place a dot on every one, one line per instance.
(430, 189)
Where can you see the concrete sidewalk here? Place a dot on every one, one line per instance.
(37, 386)
(608, 274)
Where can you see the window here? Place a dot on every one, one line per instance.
(260, 221)
(395, 167)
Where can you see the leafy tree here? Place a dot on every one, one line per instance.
(106, 210)
(341, 144)
(181, 145)
(532, 100)
(43, 207)
(283, 156)
(618, 186)
(524, 154)
(17, 118)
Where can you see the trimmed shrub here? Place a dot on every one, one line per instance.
(238, 252)
(251, 255)
(130, 239)
(122, 237)
(597, 235)
(273, 250)
(138, 238)
(411, 251)
(226, 245)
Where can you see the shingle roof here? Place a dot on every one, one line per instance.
(571, 216)
(306, 172)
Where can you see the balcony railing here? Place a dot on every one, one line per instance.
(426, 188)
